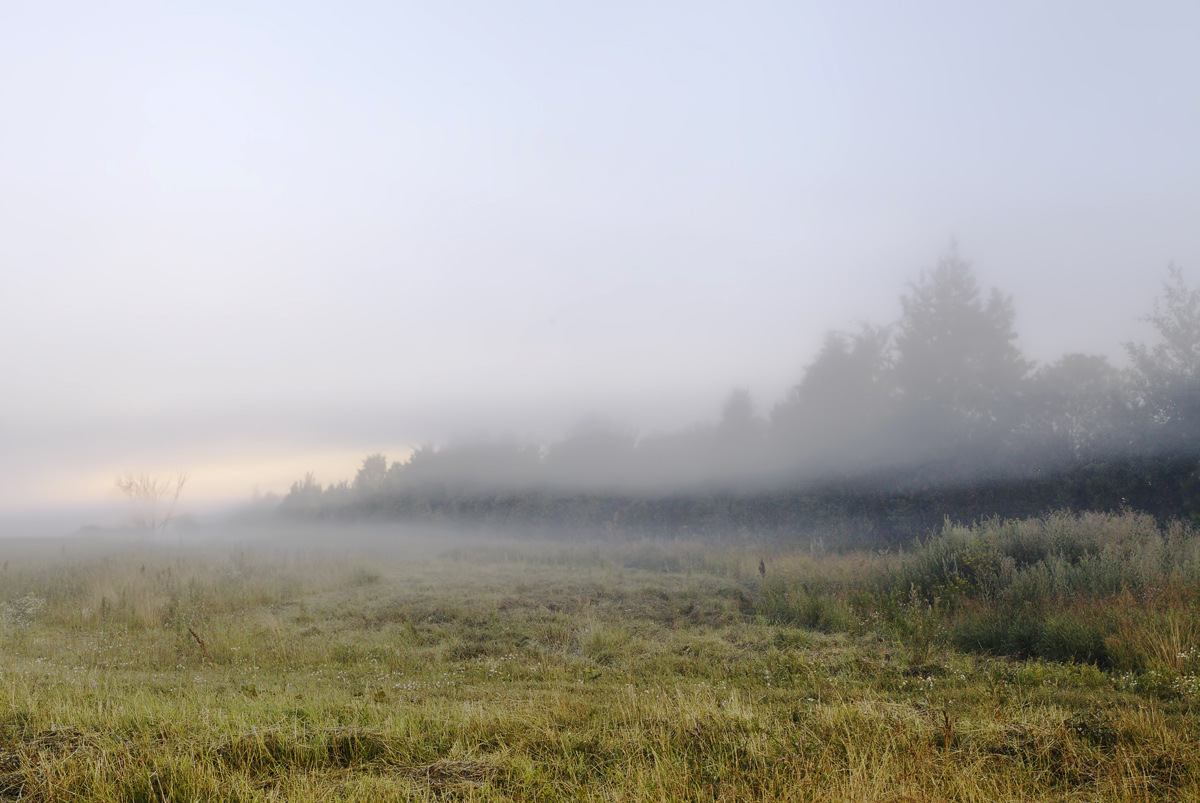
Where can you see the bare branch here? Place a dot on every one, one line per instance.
(147, 492)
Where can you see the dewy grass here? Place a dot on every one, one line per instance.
(338, 666)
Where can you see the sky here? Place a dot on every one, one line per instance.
(251, 239)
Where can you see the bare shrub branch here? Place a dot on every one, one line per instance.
(149, 493)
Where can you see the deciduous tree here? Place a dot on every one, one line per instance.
(1167, 375)
(153, 496)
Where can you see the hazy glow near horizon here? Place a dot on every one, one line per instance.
(236, 230)
(213, 481)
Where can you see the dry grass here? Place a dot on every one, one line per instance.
(496, 670)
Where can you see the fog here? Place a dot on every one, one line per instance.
(255, 240)
(942, 396)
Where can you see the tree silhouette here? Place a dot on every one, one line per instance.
(1076, 407)
(844, 398)
(958, 369)
(370, 478)
(1166, 377)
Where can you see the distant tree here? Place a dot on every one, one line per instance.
(499, 462)
(153, 497)
(1166, 376)
(738, 438)
(843, 399)
(371, 477)
(958, 369)
(739, 423)
(737, 413)
(337, 495)
(423, 461)
(304, 498)
(596, 452)
(1075, 407)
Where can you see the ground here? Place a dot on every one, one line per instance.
(339, 666)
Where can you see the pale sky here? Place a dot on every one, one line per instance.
(250, 239)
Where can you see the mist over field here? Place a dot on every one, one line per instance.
(945, 389)
(674, 401)
(618, 249)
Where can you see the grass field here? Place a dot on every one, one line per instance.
(1055, 659)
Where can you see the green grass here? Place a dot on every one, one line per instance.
(341, 667)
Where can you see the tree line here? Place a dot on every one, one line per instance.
(890, 427)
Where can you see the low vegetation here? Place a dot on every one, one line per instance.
(1047, 659)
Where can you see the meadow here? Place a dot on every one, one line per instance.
(1048, 659)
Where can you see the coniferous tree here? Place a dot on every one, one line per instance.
(958, 370)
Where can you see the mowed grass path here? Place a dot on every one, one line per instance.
(333, 666)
